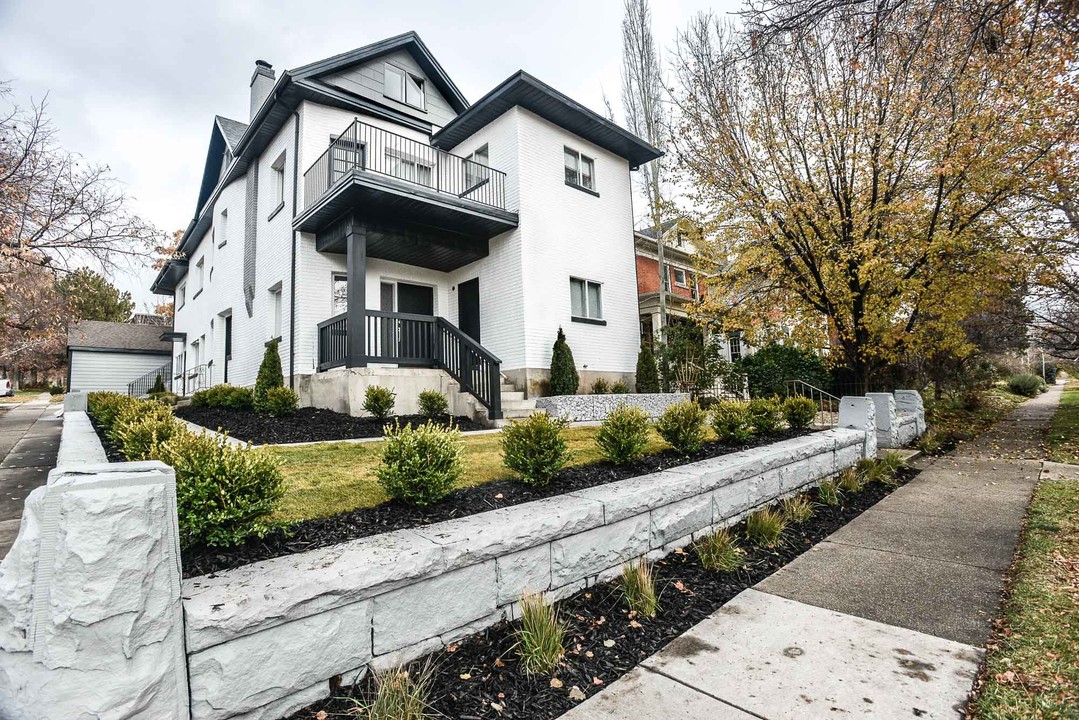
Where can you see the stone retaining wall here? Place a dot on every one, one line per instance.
(264, 639)
(580, 408)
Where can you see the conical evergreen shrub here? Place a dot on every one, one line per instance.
(647, 373)
(564, 377)
(269, 377)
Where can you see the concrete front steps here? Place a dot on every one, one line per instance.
(514, 405)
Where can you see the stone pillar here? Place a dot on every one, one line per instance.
(910, 401)
(886, 421)
(74, 401)
(859, 413)
(90, 618)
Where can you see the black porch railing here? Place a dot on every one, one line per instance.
(188, 380)
(419, 341)
(143, 385)
(371, 149)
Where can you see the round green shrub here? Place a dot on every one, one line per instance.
(619, 388)
(433, 404)
(103, 407)
(535, 448)
(224, 494)
(379, 401)
(765, 415)
(730, 420)
(165, 398)
(1026, 384)
(623, 435)
(420, 465)
(799, 412)
(280, 401)
(132, 412)
(225, 396)
(564, 377)
(142, 438)
(647, 370)
(682, 426)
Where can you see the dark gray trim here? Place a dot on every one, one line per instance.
(582, 188)
(351, 101)
(274, 212)
(522, 89)
(122, 351)
(173, 336)
(67, 382)
(588, 321)
(292, 270)
(356, 262)
(197, 293)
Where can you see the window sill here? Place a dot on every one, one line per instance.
(275, 211)
(588, 321)
(582, 188)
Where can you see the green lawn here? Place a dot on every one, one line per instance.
(330, 478)
(1033, 667)
(21, 396)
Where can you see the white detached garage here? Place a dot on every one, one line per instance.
(109, 355)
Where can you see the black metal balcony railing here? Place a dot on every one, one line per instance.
(418, 340)
(371, 149)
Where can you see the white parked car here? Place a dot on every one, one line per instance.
(6, 388)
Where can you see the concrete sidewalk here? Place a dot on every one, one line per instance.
(29, 441)
(887, 618)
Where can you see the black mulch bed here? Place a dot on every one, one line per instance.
(496, 689)
(112, 454)
(392, 515)
(305, 425)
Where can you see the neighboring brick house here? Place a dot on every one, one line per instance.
(683, 281)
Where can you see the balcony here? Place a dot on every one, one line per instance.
(403, 190)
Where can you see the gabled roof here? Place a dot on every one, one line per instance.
(99, 335)
(233, 130)
(521, 89)
(650, 232)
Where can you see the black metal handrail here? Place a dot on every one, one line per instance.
(371, 149)
(421, 341)
(828, 404)
(143, 385)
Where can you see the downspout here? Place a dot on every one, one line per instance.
(292, 279)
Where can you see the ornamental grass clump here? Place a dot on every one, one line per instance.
(399, 695)
(619, 388)
(731, 423)
(851, 480)
(379, 401)
(433, 404)
(224, 494)
(719, 552)
(535, 448)
(623, 435)
(828, 492)
(797, 509)
(639, 587)
(892, 464)
(765, 527)
(799, 412)
(540, 639)
(765, 415)
(420, 465)
(682, 426)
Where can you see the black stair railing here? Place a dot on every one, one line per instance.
(142, 386)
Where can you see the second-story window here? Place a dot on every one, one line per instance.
(404, 87)
(586, 299)
(680, 277)
(200, 275)
(476, 171)
(735, 342)
(221, 231)
(409, 167)
(580, 170)
(278, 180)
(181, 296)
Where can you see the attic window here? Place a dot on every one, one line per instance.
(404, 87)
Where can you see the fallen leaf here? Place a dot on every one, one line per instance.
(498, 496)
(321, 715)
(452, 648)
(497, 707)
(466, 676)
(634, 624)
(596, 681)
(556, 683)
(576, 695)
(608, 643)
(589, 654)
(499, 663)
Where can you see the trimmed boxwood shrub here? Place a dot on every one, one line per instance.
(141, 438)
(564, 377)
(226, 396)
(379, 401)
(103, 407)
(1026, 384)
(799, 412)
(623, 435)
(420, 465)
(765, 415)
(280, 401)
(647, 371)
(433, 404)
(682, 426)
(224, 494)
(535, 448)
(730, 420)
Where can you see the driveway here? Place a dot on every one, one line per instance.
(29, 441)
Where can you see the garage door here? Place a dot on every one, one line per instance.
(111, 370)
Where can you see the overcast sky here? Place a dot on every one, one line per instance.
(135, 84)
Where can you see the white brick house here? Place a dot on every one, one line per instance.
(388, 231)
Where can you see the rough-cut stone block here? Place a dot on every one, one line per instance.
(806, 472)
(887, 422)
(498, 532)
(523, 571)
(848, 456)
(732, 500)
(258, 596)
(620, 500)
(79, 443)
(910, 402)
(908, 430)
(434, 606)
(860, 413)
(587, 554)
(577, 408)
(289, 705)
(255, 670)
(679, 519)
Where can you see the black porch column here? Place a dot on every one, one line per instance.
(356, 258)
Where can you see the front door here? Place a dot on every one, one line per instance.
(468, 308)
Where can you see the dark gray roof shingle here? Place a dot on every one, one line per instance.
(99, 335)
(233, 130)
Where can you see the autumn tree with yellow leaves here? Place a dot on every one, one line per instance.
(873, 180)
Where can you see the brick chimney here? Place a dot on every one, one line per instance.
(262, 82)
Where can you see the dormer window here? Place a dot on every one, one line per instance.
(404, 87)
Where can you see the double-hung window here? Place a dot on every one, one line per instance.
(278, 182)
(734, 341)
(275, 312)
(404, 87)
(200, 275)
(476, 168)
(409, 167)
(181, 296)
(580, 170)
(586, 300)
(680, 277)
